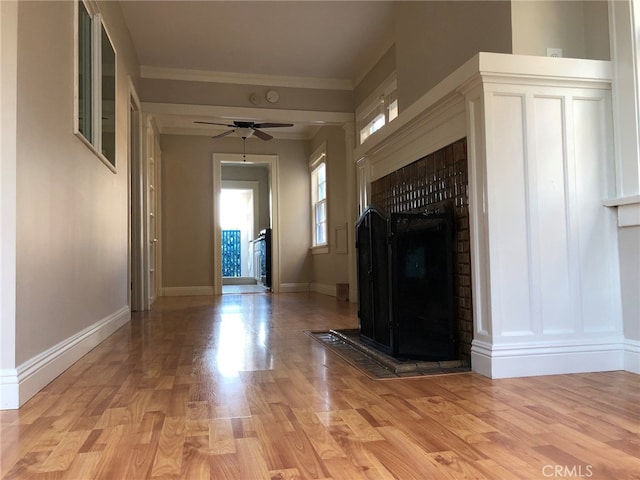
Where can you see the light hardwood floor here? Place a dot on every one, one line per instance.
(232, 388)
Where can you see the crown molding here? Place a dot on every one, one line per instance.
(162, 73)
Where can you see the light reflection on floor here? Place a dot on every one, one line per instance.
(242, 337)
(240, 289)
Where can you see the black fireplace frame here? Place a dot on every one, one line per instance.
(406, 283)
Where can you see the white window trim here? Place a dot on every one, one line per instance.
(379, 95)
(97, 25)
(317, 157)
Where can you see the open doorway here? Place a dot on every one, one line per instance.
(239, 208)
(239, 173)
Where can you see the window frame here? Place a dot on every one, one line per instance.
(96, 102)
(317, 159)
(381, 102)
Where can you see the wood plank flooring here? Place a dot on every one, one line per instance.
(231, 388)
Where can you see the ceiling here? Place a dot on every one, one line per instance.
(314, 41)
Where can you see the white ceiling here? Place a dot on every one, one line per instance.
(323, 41)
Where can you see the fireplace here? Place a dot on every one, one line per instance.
(405, 283)
(438, 183)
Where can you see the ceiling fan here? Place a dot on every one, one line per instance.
(247, 129)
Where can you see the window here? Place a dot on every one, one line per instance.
(95, 84)
(318, 167)
(84, 72)
(379, 109)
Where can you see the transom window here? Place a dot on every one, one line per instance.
(379, 109)
(318, 168)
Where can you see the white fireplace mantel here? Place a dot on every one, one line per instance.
(545, 279)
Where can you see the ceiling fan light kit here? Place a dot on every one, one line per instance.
(244, 132)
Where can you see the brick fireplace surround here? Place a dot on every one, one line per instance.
(438, 182)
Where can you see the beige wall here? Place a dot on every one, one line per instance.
(187, 211)
(294, 217)
(72, 232)
(435, 38)
(581, 29)
(376, 76)
(187, 207)
(331, 268)
(208, 93)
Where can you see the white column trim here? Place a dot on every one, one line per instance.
(623, 30)
(8, 185)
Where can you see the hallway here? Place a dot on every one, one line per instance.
(231, 387)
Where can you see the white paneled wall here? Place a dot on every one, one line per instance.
(545, 279)
(553, 293)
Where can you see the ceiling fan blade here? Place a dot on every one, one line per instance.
(224, 134)
(272, 125)
(262, 135)
(214, 123)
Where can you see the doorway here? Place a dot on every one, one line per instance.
(239, 209)
(268, 163)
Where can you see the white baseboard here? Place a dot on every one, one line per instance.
(186, 291)
(527, 360)
(9, 389)
(294, 287)
(324, 289)
(632, 356)
(20, 384)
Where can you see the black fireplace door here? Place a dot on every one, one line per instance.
(374, 279)
(422, 283)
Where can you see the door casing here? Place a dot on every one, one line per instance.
(271, 161)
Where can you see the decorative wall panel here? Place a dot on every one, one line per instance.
(507, 193)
